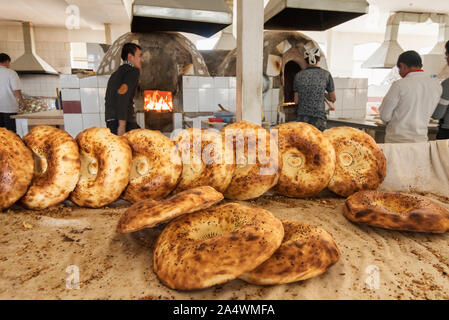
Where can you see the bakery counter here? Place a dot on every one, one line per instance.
(373, 127)
(42, 250)
(49, 118)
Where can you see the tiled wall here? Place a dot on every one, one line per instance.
(83, 102)
(203, 94)
(352, 97)
(270, 104)
(39, 85)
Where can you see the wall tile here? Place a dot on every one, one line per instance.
(232, 100)
(221, 96)
(189, 82)
(190, 99)
(232, 82)
(362, 83)
(101, 97)
(89, 100)
(91, 120)
(70, 94)
(73, 124)
(205, 82)
(348, 98)
(275, 97)
(267, 100)
(361, 98)
(89, 82)
(221, 82)
(102, 81)
(339, 102)
(102, 121)
(206, 100)
(68, 81)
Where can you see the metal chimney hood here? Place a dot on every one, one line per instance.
(30, 62)
(202, 17)
(311, 15)
(387, 55)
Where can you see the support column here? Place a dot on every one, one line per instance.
(250, 16)
(107, 33)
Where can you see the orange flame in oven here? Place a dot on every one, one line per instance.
(159, 101)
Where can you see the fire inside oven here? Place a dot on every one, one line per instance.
(158, 107)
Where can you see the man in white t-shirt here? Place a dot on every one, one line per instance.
(410, 102)
(10, 93)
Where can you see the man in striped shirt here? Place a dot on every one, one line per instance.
(442, 110)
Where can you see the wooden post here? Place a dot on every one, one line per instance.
(250, 18)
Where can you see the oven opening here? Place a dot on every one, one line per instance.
(290, 70)
(159, 101)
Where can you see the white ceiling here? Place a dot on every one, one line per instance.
(93, 13)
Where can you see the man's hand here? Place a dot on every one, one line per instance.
(121, 127)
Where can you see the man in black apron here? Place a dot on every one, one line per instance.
(122, 85)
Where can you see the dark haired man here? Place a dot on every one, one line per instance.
(10, 93)
(408, 105)
(119, 104)
(442, 110)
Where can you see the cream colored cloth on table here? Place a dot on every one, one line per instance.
(417, 167)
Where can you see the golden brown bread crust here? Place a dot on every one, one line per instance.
(306, 251)
(308, 160)
(156, 167)
(16, 168)
(57, 167)
(105, 166)
(253, 179)
(396, 211)
(204, 160)
(361, 164)
(149, 213)
(213, 246)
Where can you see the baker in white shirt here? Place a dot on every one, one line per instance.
(10, 93)
(410, 102)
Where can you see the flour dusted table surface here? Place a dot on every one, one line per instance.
(38, 248)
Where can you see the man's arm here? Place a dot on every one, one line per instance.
(124, 93)
(16, 87)
(296, 97)
(441, 108)
(331, 96)
(19, 97)
(389, 103)
(330, 88)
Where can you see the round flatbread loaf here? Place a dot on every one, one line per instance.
(257, 160)
(149, 213)
(361, 163)
(396, 211)
(205, 160)
(156, 167)
(308, 160)
(16, 168)
(105, 166)
(213, 246)
(57, 167)
(305, 252)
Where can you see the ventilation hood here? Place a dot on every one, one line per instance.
(30, 62)
(311, 15)
(202, 17)
(387, 54)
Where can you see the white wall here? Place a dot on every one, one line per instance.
(53, 44)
